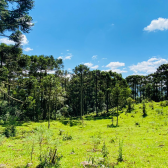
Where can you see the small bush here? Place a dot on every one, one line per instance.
(159, 111)
(51, 159)
(137, 124)
(96, 142)
(2, 138)
(144, 109)
(120, 156)
(112, 140)
(10, 131)
(61, 132)
(104, 151)
(151, 105)
(67, 137)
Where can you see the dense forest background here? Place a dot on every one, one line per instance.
(37, 88)
(30, 91)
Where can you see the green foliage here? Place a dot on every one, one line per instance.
(120, 154)
(96, 142)
(151, 105)
(104, 150)
(129, 102)
(10, 129)
(2, 138)
(159, 111)
(66, 137)
(50, 159)
(144, 109)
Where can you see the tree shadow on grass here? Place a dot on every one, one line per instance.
(22, 166)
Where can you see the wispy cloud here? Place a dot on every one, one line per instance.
(69, 56)
(28, 49)
(148, 66)
(94, 67)
(59, 57)
(67, 50)
(66, 57)
(88, 64)
(158, 24)
(94, 57)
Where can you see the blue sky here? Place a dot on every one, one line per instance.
(126, 36)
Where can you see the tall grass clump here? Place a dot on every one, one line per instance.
(50, 159)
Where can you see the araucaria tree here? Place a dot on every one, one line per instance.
(16, 19)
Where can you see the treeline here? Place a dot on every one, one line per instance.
(152, 87)
(26, 83)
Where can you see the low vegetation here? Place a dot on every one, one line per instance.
(138, 141)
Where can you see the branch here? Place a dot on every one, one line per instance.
(11, 97)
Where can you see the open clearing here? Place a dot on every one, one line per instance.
(145, 140)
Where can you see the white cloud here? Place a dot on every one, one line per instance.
(67, 50)
(114, 65)
(61, 53)
(149, 66)
(158, 24)
(94, 57)
(69, 69)
(88, 64)
(95, 67)
(115, 70)
(59, 57)
(24, 40)
(7, 41)
(28, 49)
(112, 24)
(69, 56)
(119, 71)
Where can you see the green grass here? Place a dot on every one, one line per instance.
(145, 140)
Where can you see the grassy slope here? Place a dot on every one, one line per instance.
(144, 145)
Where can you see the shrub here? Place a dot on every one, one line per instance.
(96, 142)
(60, 132)
(151, 105)
(2, 138)
(120, 156)
(51, 159)
(67, 137)
(129, 102)
(104, 151)
(144, 109)
(159, 111)
(10, 131)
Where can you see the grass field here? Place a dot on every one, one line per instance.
(144, 141)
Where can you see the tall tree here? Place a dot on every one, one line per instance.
(15, 19)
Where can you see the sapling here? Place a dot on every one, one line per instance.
(144, 109)
(120, 156)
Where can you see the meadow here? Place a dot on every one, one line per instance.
(93, 142)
